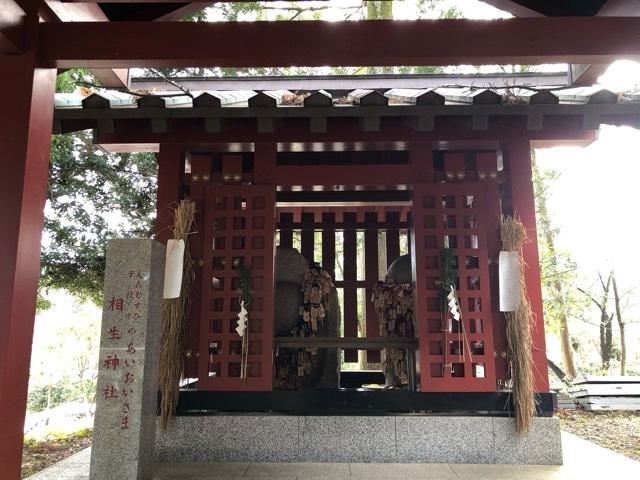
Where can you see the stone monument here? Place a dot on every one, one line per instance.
(126, 397)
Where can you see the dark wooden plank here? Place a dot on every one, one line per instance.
(286, 230)
(345, 402)
(393, 238)
(350, 225)
(307, 237)
(371, 277)
(329, 243)
(346, 342)
(350, 267)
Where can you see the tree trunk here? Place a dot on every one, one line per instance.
(623, 343)
(565, 347)
(606, 335)
(558, 290)
(557, 370)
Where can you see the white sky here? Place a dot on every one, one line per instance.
(593, 202)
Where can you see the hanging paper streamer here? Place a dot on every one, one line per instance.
(173, 269)
(242, 320)
(509, 278)
(454, 307)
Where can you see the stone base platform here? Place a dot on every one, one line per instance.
(377, 439)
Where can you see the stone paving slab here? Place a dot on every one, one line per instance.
(583, 460)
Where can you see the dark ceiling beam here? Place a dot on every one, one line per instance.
(90, 12)
(620, 8)
(147, 12)
(580, 74)
(183, 11)
(174, 1)
(12, 19)
(589, 74)
(551, 8)
(316, 43)
(514, 8)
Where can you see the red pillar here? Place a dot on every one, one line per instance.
(170, 165)
(519, 155)
(25, 131)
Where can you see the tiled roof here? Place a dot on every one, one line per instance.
(360, 97)
(481, 104)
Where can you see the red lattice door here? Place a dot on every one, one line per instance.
(454, 356)
(239, 230)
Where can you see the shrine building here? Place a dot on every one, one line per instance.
(320, 204)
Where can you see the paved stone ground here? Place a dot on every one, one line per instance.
(583, 460)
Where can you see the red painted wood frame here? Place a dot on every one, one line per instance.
(524, 208)
(372, 220)
(239, 229)
(453, 357)
(25, 134)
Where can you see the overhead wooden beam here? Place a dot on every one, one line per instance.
(176, 1)
(620, 8)
(514, 8)
(371, 43)
(90, 12)
(12, 18)
(580, 74)
(589, 74)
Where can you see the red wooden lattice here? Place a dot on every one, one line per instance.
(239, 230)
(392, 220)
(454, 357)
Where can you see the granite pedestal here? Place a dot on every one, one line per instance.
(124, 427)
(378, 439)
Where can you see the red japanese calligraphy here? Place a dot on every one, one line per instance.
(114, 333)
(111, 362)
(116, 303)
(110, 392)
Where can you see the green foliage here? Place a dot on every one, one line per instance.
(68, 81)
(51, 396)
(298, 11)
(558, 271)
(92, 197)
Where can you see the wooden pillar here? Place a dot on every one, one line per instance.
(519, 155)
(170, 167)
(25, 131)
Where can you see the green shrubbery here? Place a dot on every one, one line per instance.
(50, 396)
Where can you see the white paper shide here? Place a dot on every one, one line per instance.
(509, 277)
(173, 269)
(242, 319)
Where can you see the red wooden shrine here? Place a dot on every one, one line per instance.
(36, 37)
(248, 202)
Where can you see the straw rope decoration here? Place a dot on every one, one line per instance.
(175, 312)
(513, 235)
